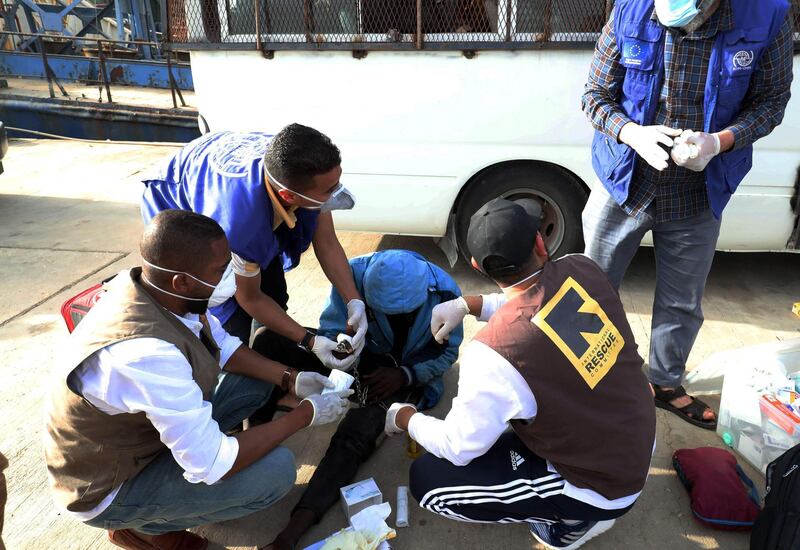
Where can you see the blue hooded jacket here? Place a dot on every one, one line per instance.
(400, 281)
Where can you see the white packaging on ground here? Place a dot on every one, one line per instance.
(360, 495)
(707, 378)
(368, 531)
(756, 415)
(402, 506)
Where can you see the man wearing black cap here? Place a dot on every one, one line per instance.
(557, 363)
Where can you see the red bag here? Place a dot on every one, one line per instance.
(722, 496)
(76, 308)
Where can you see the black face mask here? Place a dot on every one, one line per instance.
(403, 318)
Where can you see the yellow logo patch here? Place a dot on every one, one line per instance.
(576, 323)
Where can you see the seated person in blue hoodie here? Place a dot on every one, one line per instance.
(400, 362)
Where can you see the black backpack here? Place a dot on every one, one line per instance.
(778, 525)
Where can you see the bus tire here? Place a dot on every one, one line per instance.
(560, 193)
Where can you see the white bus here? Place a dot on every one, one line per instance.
(441, 105)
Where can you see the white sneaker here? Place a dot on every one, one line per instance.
(561, 536)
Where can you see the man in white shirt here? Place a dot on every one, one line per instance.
(557, 363)
(136, 428)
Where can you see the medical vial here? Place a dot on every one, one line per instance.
(413, 448)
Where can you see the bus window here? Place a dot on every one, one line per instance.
(546, 20)
(294, 17)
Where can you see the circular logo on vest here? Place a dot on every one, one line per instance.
(743, 59)
(233, 154)
(635, 50)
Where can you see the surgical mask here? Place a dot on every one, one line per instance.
(223, 291)
(676, 13)
(507, 289)
(340, 199)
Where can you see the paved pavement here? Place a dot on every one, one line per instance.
(70, 218)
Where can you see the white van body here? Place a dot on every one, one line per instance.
(415, 127)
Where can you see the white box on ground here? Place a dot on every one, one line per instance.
(360, 495)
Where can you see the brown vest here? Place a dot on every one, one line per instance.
(89, 453)
(569, 338)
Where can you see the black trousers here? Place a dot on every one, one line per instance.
(355, 438)
(508, 484)
(273, 284)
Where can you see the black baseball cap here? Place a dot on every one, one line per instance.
(506, 230)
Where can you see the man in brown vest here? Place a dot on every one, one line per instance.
(135, 440)
(558, 363)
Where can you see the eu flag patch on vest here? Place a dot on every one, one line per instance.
(634, 52)
(579, 327)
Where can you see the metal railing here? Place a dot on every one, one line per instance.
(363, 25)
(103, 78)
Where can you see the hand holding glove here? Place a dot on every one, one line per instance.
(323, 348)
(357, 320)
(694, 150)
(311, 383)
(647, 141)
(447, 316)
(329, 407)
(391, 427)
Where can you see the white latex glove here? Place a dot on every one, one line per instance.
(357, 319)
(311, 383)
(447, 316)
(694, 150)
(390, 427)
(324, 347)
(645, 141)
(329, 407)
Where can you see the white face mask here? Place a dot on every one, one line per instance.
(340, 199)
(676, 13)
(509, 288)
(223, 291)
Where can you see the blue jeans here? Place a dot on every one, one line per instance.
(684, 251)
(159, 499)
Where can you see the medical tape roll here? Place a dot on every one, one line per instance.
(402, 506)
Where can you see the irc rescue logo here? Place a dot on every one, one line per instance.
(576, 323)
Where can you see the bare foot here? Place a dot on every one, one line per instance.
(684, 400)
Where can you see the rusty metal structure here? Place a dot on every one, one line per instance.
(365, 25)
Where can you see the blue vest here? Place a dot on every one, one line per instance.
(734, 59)
(221, 175)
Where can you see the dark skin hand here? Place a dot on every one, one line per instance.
(383, 382)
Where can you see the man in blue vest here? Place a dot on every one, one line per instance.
(273, 196)
(709, 77)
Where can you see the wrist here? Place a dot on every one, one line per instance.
(625, 130)
(726, 140)
(286, 380)
(305, 413)
(307, 341)
(474, 304)
(404, 417)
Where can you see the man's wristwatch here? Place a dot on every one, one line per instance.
(305, 343)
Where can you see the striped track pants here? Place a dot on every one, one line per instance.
(508, 484)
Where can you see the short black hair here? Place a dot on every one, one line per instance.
(179, 239)
(298, 153)
(499, 269)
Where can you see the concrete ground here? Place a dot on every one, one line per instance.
(70, 218)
